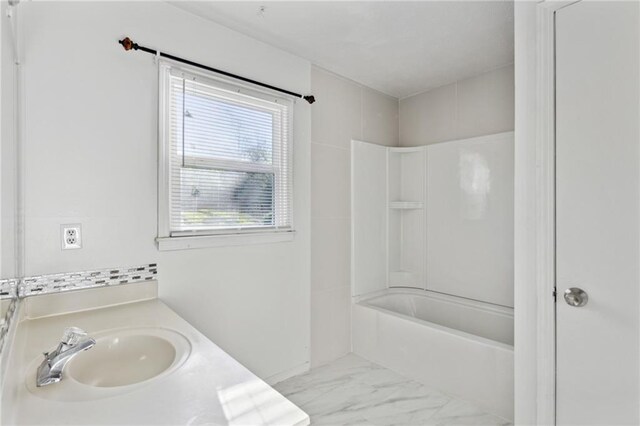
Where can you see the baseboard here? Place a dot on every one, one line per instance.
(280, 377)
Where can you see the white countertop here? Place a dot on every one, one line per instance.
(209, 388)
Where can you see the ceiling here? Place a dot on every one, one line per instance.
(397, 47)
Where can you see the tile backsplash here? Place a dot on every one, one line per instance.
(54, 283)
(13, 289)
(9, 301)
(6, 320)
(8, 288)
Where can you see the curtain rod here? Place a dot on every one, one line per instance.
(129, 44)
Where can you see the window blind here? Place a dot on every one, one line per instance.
(230, 159)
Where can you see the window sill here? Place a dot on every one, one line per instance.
(223, 240)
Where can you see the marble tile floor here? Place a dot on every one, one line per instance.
(354, 391)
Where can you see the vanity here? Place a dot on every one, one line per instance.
(148, 366)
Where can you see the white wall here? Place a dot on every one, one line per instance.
(525, 249)
(91, 157)
(345, 111)
(477, 106)
(8, 162)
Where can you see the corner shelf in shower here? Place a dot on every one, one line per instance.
(406, 205)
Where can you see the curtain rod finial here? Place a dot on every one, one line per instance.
(309, 98)
(128, 44)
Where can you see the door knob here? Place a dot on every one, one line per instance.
(576, 297)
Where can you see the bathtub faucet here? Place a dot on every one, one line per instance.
(74, 341)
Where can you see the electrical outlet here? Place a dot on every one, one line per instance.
(71, 236)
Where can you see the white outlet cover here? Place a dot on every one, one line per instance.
(71, 236)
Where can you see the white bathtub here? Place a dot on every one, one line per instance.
(459, 346)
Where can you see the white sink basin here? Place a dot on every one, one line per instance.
(121, 360)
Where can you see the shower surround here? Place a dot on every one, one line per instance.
(432, 264)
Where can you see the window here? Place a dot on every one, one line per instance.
(225, 158)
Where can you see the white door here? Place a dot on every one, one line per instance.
(598, 213)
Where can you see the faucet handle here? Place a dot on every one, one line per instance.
(72, 335)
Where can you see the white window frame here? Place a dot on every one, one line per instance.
(167, 240)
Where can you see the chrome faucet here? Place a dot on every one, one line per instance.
(74, 341)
